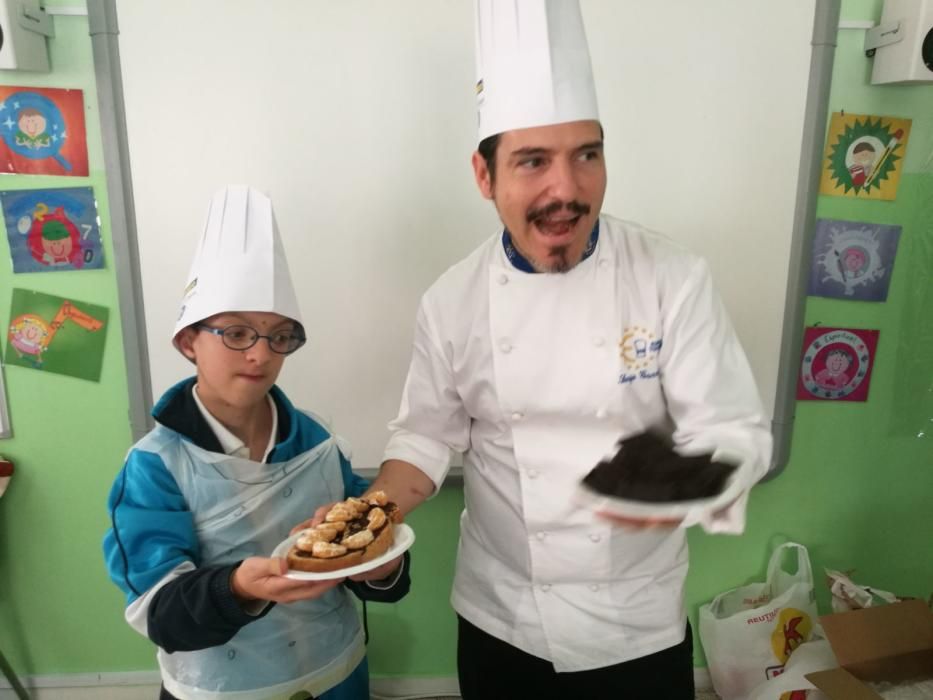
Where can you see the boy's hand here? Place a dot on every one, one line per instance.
(262, 578)
(316, 519)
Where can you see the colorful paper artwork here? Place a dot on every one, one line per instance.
(52, 230)
(42, 131)
(56, 335)
(837, 364)
(852, 259)
(864, 156)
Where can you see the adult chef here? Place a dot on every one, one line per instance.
(565, 331)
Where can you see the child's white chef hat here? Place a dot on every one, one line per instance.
(239, 264)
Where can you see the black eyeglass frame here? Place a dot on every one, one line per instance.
(297, 334)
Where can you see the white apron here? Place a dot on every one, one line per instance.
(241, 509)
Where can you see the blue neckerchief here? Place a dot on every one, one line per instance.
(521, 263)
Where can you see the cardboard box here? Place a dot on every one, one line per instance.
(891, 643)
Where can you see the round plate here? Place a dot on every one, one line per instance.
(643, 510)
(404, 537)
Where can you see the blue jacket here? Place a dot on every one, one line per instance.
(148, 540)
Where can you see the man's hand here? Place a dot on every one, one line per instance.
(381, 572)
(644, 523)
(261, 578)
(639, 523)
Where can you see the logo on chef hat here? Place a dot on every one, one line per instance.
(638, 348)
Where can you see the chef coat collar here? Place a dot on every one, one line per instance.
(519, 261)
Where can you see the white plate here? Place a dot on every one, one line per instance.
(638, 510)
(404, 537)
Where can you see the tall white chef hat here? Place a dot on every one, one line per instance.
(532, 65)
(239, 264)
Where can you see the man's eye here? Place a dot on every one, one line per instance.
(589, 155)
(531, 163)
(281, 338)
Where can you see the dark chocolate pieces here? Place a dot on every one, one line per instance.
(646, 468)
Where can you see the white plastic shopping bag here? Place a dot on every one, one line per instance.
(748, 633)
(793, 684)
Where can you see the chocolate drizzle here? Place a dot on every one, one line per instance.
(354, 526)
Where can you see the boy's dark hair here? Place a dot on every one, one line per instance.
(488, 146)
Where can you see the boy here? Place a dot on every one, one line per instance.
(218, 483)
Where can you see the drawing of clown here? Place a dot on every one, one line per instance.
(30, 335)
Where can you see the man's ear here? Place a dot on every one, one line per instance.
(482, 175)
(186, 342)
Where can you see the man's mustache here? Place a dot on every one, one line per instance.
(575, 207)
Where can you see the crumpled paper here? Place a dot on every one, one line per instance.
(848, 595)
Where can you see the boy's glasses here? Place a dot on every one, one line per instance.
(245, 337)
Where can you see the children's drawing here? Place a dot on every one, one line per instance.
(42, 131)
(852, 259)
(837, 364)
(52, 230)
(56, 335)
(864, 155)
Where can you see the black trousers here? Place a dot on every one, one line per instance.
(491, 669)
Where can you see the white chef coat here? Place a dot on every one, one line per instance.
(535, 377)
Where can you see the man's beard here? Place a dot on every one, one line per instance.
(558, 259)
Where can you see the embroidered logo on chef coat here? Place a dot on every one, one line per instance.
(639, 350)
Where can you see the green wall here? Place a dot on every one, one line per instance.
(856, 489)
(57, 607)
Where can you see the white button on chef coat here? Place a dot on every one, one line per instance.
(519, 475)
